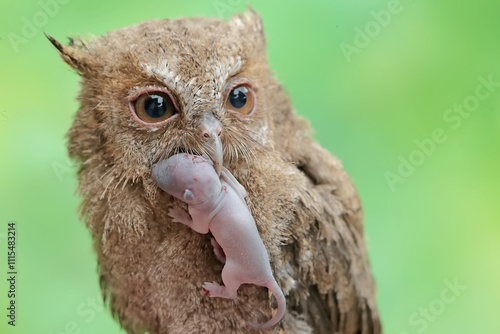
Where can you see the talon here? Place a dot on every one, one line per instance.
(206, 292)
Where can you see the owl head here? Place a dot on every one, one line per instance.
(162, 87)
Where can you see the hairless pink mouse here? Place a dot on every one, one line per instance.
(218, 205)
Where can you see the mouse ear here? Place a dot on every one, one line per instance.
(188, 195)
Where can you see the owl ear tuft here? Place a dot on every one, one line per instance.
(72, 54)
(252, 22)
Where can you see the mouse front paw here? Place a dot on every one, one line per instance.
(179, 216)
(212, 289)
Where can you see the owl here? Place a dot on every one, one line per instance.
(203, 86)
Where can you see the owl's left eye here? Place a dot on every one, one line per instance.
(153, 107)
(241, 99)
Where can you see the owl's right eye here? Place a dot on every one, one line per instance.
(153, 107)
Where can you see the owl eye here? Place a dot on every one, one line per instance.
(153, 107)
(241, 99)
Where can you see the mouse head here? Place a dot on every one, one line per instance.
(190, 178)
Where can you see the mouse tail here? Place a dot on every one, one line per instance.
(280, 297)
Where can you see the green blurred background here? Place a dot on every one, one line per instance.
(434, 225)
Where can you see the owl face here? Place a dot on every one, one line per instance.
(169, 86)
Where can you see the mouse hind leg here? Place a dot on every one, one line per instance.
(231, 284)
(218, 251)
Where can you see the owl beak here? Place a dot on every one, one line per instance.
(211, 131)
